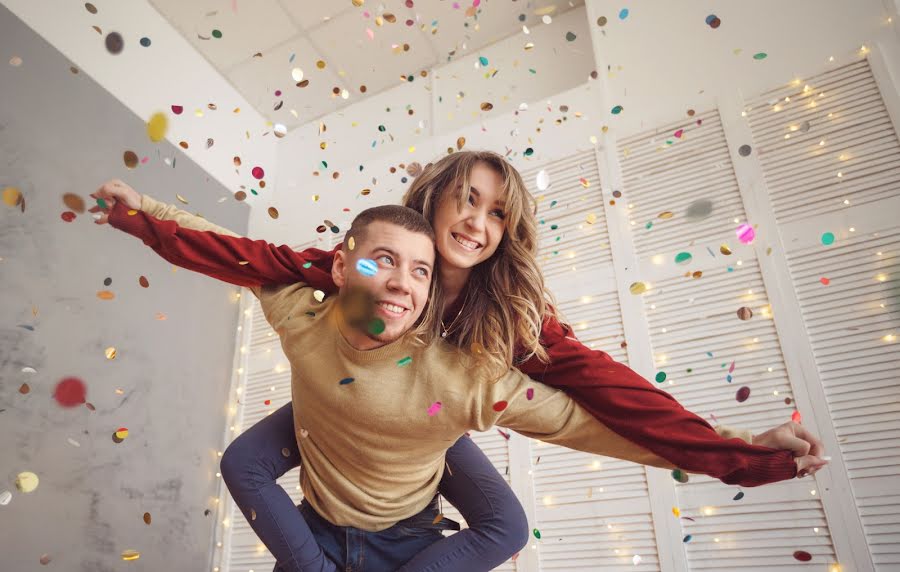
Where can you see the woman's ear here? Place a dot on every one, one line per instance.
(338, 268)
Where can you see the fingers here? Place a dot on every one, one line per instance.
(817, 448)
(797, 445)
(809, 465)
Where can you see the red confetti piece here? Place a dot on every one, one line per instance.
(435, 407)
(68, 216)
(802, 556)
(177, 109)
(70, 392)
(529, 393)
(824, 281)
(795, 417)
(500, 406)
(268, 402)
(679, 133)
(258, 173)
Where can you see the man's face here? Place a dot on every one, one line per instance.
(399, 288)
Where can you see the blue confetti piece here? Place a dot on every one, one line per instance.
(687, 538)
(346, 380)
(623, 13)
(367, 267)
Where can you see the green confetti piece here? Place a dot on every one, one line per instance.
(376, 326)
(537, 533)
(828, 238)
(553, 203)
(680, 476)
(617, 110)
(216, 33)
(101, 203)
(483, 60)
(660, 377)
(554, 226)
(570, 37)
(760, 56)
(405, 361)
(683, 258)
(529, 152)
(307, 264)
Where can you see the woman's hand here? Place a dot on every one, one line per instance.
(112, 191)
(807, 448)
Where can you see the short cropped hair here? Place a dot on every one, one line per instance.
(401, 216)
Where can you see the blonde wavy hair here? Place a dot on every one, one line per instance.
(507, 300)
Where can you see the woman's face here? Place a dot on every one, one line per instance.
(469, 237)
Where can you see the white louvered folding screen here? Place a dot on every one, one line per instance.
(831, 160)
(683, 197)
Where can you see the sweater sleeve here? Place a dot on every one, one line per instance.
(312, 266)
(541, 412)
(649, 417)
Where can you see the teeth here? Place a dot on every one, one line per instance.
(467, 243)
(392, 307)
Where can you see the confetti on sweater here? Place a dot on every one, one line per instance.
(434, 408)
(406, 361)
(500, 406)
(529, 393)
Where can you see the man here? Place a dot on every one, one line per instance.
(374, 409)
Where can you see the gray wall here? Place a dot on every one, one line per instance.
(61, 132)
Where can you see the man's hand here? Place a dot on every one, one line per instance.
(110, 192)
(807, 448)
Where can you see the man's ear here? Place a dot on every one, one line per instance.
(338, 267)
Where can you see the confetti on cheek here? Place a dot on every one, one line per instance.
(529, 394)
(500, 406)
(346, 381)
(434, 408)
(367, 267)
(70, 392)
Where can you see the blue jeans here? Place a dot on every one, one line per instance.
(250, 465)
(356, 550)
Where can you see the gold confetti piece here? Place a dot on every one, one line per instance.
(358, 3)
(724, 249)
(74, 202)
(285, 452)
(477, 348)
(637, 288)
(252, 514)
(105, 295)
(315, 198)
(131, 159)
(11, 196)
(240, 195)
(110, 353)
(676, 511)
(591, 218)
(237, 161)
(665, 215)
(697, 274)
(160, 316)
(273, 212)
(27, 481)
(182, 199)
(132, 212)
(487, 106)
(130, 555)
(24, 389)
(243, 262)
(351, 243)
(157, 127)
(460, 143)
(320, 64)
(147, 518)
(437, 519)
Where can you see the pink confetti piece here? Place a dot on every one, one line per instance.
(435, 407)
(795, 417)
(529, 394)
(370, 33)
(731, 369)
(505, 435)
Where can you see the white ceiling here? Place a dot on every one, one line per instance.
(337, 33)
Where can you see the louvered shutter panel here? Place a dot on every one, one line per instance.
(852, 322)
(696, 336)
(592, 512)
(267, 376)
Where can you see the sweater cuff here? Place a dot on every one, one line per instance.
(152, 206)
(779, 466)
(127, 220)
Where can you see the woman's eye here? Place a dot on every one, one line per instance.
(471, 200)
(499, 214)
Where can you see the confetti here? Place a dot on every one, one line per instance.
(742, 394)
(114, 43)
(319, 295)
(500, 406)
(460, 143)
(637, 288)
(487, 106)
(617, 110)
(434, 408)
(405, 361)
(437, 519)
(828, 238)
(366, 266)
(258, 172)
(351, 244)
(676, 511)
(744, 313)
(74, 202)
(110, 353)
(687, 538)
(144, 282)
(724, 249)
(27, 482)
(11, 196)
(542, 180)
(273, 212)
(713, 21)
(683, 258)
(70, 392)
(158, 125)
(130, 555)
(5, 498)
(745, 150)
(376, 326)
(570, 37)
(825, 281)
(760, 56)
(537, 533)
(346, 381)
(802, 556)
(680, 476)
(660, 377)
(745, 233)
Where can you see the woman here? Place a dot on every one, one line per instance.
(495, 304)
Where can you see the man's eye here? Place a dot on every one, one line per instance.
(422, 271)
(387, 259)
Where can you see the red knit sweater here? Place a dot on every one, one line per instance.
(617, 396)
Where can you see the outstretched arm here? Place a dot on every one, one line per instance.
(633, 408)
(270, 264)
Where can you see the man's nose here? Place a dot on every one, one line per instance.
(399, 281)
